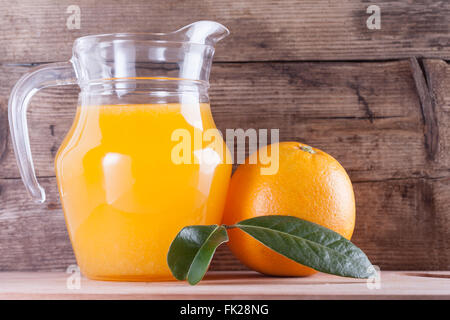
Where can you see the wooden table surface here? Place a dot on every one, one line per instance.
(230, 285)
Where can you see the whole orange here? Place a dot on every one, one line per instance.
(309, 184)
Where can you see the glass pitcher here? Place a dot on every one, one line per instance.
(132, 171)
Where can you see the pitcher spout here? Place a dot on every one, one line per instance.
(203, 32)
(183, 54)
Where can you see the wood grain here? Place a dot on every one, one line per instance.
(431, 131)
(261, 30)
(367, 115)
(400, 223)
(438, 81)
(230, 286)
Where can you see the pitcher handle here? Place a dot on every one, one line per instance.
(48, 75)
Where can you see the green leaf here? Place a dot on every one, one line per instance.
(309, 244)
(192, 250)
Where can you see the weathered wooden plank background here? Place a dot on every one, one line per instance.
(377, 100)
(35, 30)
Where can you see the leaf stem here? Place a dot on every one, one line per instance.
(229, 227)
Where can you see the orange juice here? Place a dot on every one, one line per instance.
(124, 197)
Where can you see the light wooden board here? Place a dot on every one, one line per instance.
(231, 285)
(261, 30)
